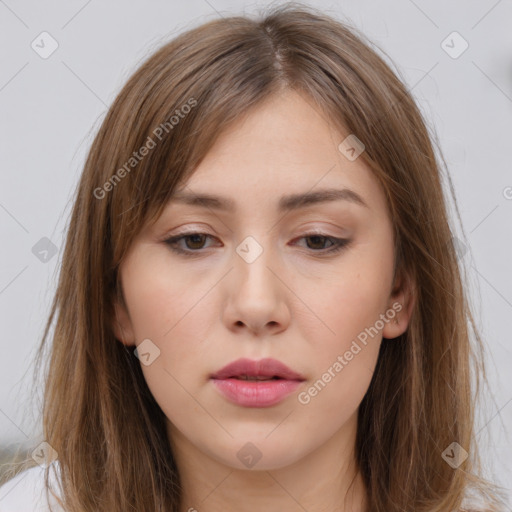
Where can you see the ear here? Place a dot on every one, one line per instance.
(122, 325)
(401, 301)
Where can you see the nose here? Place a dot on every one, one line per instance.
(256, 296)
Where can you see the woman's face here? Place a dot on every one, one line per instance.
(262, 281)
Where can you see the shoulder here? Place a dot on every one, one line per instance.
(26, 492)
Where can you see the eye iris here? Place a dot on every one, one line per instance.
(317, 238)
(195, 236)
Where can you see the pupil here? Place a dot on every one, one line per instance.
(317, 238)
(196, 241)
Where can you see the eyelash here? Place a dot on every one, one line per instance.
(338, 243)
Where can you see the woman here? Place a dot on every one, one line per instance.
(258, 370)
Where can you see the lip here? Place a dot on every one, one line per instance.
(264, 393)
(263, 368)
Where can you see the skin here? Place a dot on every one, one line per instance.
(292, 303)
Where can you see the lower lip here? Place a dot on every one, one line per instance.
(256, 393)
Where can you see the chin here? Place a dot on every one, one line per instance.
(259, 452)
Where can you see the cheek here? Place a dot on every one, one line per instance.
(162, 298)
(174, 310)
(345, 354)
(174, 392)
(345, 343)
(350, 301)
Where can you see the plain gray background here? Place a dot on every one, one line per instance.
(51, 107)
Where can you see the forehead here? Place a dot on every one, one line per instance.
(282, 153)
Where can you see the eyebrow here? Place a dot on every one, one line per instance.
(286, 203)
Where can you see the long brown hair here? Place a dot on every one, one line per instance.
(98, 413)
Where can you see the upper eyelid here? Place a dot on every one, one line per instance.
(204, 231)
(311, 232)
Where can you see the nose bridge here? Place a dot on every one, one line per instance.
(254, 257)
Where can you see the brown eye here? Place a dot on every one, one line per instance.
(194, 242)
(316, 243)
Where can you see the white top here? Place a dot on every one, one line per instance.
(26, 493)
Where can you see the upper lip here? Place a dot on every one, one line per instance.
(263, 368)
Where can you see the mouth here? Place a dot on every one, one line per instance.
(261, 383)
